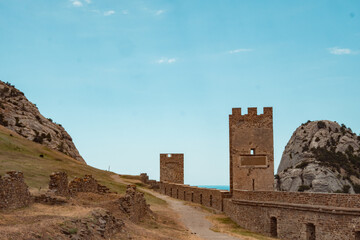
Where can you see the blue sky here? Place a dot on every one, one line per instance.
(132, 79)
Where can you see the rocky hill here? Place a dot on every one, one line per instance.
(321, 156)
(17, 113)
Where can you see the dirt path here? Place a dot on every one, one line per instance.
(194, 219)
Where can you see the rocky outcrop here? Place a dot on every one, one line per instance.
(321, 156)
(17, 113)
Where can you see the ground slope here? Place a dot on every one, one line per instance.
(83, 215)
(37, 162)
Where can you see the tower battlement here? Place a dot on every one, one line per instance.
(251, 149)
(252, 111)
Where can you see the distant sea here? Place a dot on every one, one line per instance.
(220, 187)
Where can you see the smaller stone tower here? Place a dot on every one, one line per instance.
(172, 167)
(251, 150)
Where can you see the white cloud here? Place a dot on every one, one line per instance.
(108, 13)
(341, 51)
(171, 60)
(77, 3)
(159, 12)
(88, 1)
(166, 60)
(240, 50)
(125, 12)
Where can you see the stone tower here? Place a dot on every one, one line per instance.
(251, 150)
(172, 168)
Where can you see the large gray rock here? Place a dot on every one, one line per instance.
(299, 167)
(20, 115)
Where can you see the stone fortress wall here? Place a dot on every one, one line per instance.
(172, 168)
(212, 198)
(257, 207)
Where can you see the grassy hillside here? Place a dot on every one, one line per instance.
(37, 162)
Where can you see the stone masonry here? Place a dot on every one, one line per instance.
(134, 204)
(86, 184)
(251, 150)
(14, 192)
(60, 186)
(59, 183)
(253, 203)
(144, 178)
(172, 168)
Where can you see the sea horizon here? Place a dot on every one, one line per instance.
(220, 187)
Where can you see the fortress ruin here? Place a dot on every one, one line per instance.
(252, 202)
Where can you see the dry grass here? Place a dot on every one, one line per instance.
(224, 224)
(20, 154)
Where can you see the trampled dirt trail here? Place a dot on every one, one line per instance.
(194, 219)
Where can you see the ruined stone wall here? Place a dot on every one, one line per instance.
(295, 221)
(134, 204)
(144, 178)
(319, 199)
(207, 197)
(154, 184)
(59, 183)
(86, 184)
(14, 192)
(251, 150)
(172, 168)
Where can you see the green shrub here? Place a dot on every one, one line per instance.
(356, 188)
(61, 147)
(39, 138)
(346, 189)
(73, 230)
(343, 129)
(3, 121)
(38, 118)
(321, 124)
(305, 148)
(18, 123)
(302, 165)
(332, 141)
(337, 160)
(303, 188)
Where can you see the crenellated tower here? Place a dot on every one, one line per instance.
(251, 150)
